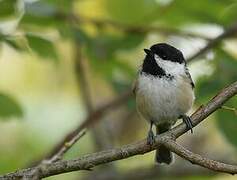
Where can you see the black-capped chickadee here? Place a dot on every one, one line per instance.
(164, 92)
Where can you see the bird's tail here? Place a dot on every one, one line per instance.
(163, 155)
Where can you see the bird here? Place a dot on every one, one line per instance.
(164, 92)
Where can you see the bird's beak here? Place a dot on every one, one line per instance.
(148, 52)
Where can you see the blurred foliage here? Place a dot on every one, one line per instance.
(224, 73)
(203, 11)
(15, 43)
(102, 52)
(142, 11)
(41, 14)
(113, 35)
(42, 46)
(7, 8)
(224, 66)
(9, 107)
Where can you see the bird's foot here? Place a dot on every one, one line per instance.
(150, 138)
(188, 122)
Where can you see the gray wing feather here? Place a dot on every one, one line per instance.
(134, 87)
(189, 77)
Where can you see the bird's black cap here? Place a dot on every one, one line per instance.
(167, 52)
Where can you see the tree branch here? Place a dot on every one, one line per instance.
(82, 78)
(97, 114)
(59, 154)
(141, 147)
(199, 160)
(82, 81)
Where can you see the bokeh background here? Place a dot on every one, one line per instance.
(62, 59)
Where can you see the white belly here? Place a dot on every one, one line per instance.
(162, 100)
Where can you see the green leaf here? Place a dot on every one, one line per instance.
(15, 44)
(41, 46)
(104, 46)
(202, 11)
(9, 107)
(130, 41)
(40, 22)
(41, 14)
(227, 122)
(40, 8)
(102, 51)
(62, 5)
(132, 11)
(7, 8)
(229, 14)
(47, 13)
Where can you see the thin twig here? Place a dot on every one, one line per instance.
(231, 31)
(91, 160)
(83, 84)
(58, 156)
(234, 110)
(82, 78)
(92, 118)
(199, 160)
(100, 139)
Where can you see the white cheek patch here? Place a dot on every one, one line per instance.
(157, 58)
(170, 67)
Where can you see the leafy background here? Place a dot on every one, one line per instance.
(41, 100)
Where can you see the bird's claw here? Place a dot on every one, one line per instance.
(150, 138)
(188, 122)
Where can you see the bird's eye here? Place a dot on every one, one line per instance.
(164, 56)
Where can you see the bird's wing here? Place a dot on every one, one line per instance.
(134, 87)
(189, 77)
